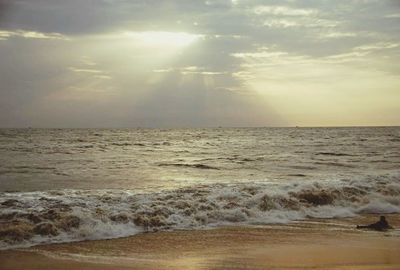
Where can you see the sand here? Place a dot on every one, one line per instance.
(308, 245)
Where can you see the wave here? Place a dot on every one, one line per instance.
(30, 218)
(196, 166)
(336, 164)
(334, 154)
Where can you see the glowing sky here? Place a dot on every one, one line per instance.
(180, 63)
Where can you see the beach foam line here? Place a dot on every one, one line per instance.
(30, 218)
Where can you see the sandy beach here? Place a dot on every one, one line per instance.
(322, 244)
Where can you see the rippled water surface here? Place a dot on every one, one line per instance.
(42, 159)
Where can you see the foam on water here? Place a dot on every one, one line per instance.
(30, 218)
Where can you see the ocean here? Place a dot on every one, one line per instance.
(64, 185)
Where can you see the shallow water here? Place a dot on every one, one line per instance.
(75, 184)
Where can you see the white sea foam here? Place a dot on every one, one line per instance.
(30, 218)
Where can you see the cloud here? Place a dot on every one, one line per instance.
(339, 34)
(4, 35)
(262, 52)
(142, 62)
(283, 10)
(377, 46)
(364, 53)
(85, 70)
(304, 22)
(281, 23)
(393, 16)
(190, 70)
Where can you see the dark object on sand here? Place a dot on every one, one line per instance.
(381, 225)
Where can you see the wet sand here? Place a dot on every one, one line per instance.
(307, 245)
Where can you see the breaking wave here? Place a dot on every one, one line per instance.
(30, 218)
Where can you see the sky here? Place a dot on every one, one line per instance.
(181, 63)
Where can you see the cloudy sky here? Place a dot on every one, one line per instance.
(179, 63)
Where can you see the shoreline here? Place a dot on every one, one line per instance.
(320, 244)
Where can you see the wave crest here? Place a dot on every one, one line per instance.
(29, 218)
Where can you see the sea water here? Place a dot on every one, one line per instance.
(61, 185)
